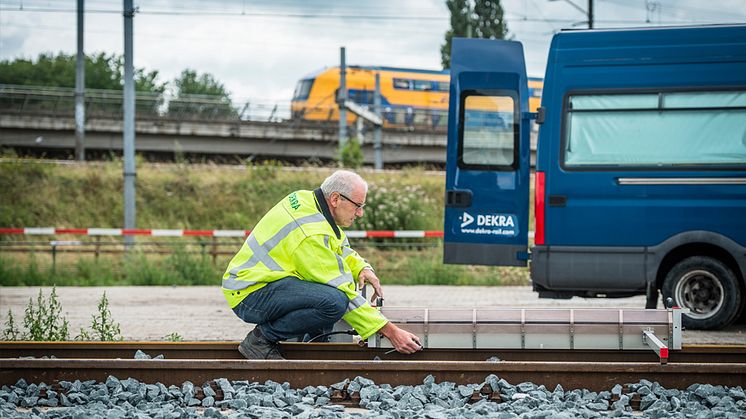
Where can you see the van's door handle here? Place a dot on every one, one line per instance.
(459, 199)
(557, 200)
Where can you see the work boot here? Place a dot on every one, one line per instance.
(256, 346)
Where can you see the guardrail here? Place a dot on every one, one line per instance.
(60, 101)
(99, 103)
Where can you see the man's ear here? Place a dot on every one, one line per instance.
(333, 200)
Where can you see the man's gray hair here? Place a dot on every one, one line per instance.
(342, 181)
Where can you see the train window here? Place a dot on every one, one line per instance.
(363, 97)
(422, 85)
(402, 84)
(303, 89)
(488, 131)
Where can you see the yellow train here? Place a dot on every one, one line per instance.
(409, 97)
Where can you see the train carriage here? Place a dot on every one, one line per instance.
(409, 97)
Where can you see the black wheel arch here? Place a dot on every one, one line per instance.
(663, 257)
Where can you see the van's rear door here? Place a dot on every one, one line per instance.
(488, 156)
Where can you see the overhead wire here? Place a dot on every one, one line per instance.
(667, 7)
(329, 15)
(511, 19)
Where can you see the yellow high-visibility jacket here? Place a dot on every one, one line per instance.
(298, 237)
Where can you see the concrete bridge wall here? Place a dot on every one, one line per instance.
(239, 138)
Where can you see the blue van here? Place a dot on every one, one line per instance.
(640, 181)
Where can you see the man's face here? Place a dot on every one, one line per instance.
(344, 210)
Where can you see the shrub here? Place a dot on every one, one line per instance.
(103, 325)
(45, 322)
(11, 331)
(395, 207)
(351, 155)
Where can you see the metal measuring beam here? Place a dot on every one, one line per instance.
(517, 328)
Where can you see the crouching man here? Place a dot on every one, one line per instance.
(296, 274)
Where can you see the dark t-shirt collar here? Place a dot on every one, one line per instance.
(322, 206)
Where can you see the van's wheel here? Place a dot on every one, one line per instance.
(706, 287)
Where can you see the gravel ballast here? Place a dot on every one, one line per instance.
(493, 398)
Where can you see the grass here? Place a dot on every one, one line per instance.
(205, 196)
(183, 196)
(403, 267)
(426, 267)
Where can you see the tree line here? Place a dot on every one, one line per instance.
(191, 93)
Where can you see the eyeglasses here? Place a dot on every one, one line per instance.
(359, 206)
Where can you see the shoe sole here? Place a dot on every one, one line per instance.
(245, 354)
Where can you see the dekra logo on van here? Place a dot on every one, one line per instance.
(488, 220)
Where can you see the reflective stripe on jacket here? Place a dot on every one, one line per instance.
(298, 237)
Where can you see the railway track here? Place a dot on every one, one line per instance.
(326, 364)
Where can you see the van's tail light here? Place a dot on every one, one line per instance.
(539, 206)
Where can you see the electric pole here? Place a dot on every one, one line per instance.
(129, 125)
(341, 99)
(80, 90)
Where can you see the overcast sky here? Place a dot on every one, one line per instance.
(259, 49)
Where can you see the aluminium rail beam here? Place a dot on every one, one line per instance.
(520, 328)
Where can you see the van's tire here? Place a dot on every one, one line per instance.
(708, 288)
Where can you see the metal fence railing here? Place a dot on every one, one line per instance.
(57, 101)
(60, 102)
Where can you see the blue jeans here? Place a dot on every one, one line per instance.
(291, 308)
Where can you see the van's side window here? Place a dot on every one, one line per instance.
(662, 130)
(489, 132)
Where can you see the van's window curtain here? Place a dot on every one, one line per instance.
(656, 129)
(489, 130)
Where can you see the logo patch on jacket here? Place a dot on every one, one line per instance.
(294, 201)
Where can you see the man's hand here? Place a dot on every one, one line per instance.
(367, 275)
(403, 341)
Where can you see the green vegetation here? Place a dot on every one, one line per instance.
(199, 197)
(185, 196)
(173, 337)
(351, 155)
(485, 20)
(194, 95)
(391, 205)
(177, 268)
(102, 71)
(45, 322)
(200, 96)
(394, 265)
(103, 326)
(425, 267)
(11, 331)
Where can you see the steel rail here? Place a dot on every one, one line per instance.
(595, 376)
(348, 351)
(330, 363)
